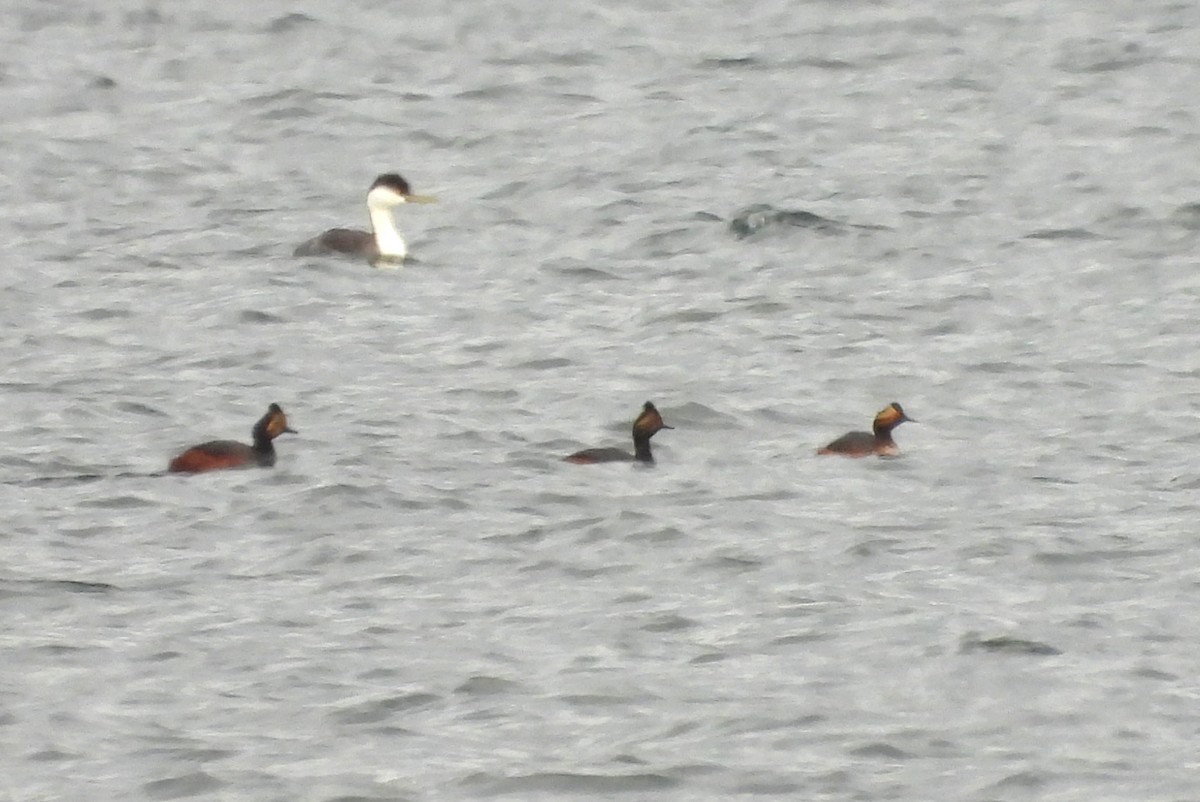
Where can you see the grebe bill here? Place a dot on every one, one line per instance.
(383, 242)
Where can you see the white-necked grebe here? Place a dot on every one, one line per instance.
(383, 242)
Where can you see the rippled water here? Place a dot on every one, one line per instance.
(771, 219)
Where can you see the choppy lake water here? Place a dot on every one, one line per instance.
(771, 219)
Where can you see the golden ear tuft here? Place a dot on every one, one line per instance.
(889, 415)
(277, 424)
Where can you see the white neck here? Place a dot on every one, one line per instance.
(387, 238)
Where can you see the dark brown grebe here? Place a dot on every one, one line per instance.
(648, 423)
(879, 441)
(383, 242)
(219, 454)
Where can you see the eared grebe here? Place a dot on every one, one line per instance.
(219, 454)
(879, 441)
(647, 424)
(383, 242)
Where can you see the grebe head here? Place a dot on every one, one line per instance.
(273, 424)
(390, 189)
(890, 417)
(649, 421)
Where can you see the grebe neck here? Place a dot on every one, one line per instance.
(387, 238)
(641, 449)
(262, 441)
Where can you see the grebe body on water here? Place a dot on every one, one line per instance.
(219, 454)
(383, 242)
(647, 424)
(878, 441)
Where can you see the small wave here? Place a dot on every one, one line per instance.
(1022, 780)
(669, 623)
(585, 273)
(689, 316)
(880, 750)
(138, 408)
(487, 686)
(255, 316)
(731, 62)
(22, 586)
(1062, 233)
(289, 22)
(377, 710)
(1004, 644)
(105, 314)
(1101, 55)
(56, 481)
(763, 217)
(118, 503)
(550, 363)
(571, 783)
(196, 783)
(1187, 216)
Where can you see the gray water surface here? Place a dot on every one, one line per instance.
(770, 218)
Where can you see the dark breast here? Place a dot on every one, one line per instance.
(591, 455)
(338, 240)
(217, 455)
